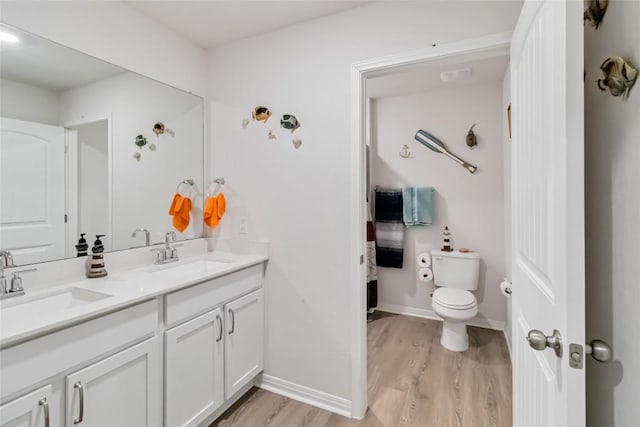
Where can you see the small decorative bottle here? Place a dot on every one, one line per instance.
(82, 247)
(446, 245)
(96, 266)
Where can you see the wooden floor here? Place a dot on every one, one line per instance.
(413, 381)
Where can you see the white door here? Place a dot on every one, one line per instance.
(30, 410)
(123, 390)
(32, 191)
(548, 210)
(244, 337)
(194, 370)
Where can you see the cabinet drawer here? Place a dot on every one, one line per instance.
(195, 300)
(28, 363)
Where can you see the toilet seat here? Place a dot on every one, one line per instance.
(454, 299)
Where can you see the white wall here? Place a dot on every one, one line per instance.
(26, 102)
(470, 205)
(612, 131)
(299, 199)
(506, 168)
(143, 190)
(116, 33)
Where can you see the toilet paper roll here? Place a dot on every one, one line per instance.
(425, 274)
(505, 288)
(424, 260)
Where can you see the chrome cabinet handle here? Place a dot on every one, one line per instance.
(233, 321)
(45, 406)
(78, 385)
(219, 328)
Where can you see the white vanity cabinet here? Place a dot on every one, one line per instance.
(212, 356)
(122, 390)
(30, 410)
(116, 359)
(194, 369)
(176, 359)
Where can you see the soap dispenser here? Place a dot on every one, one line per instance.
(96, 266)
(82, 247)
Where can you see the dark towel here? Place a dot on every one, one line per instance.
(389, 228)
(372, 271)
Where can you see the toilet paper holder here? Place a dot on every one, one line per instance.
(505, 287)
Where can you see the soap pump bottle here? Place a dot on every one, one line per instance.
(96, 266)
(82, 247)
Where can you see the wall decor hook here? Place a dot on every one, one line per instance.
(595, 11)
(619, 76)
(405, 153)
(472, 141)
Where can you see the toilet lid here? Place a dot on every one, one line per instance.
(456, 299)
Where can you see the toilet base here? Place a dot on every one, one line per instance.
(454, 336)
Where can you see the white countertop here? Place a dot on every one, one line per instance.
(23, 317)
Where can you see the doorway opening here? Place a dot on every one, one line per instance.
(379, 144)
(89, 204)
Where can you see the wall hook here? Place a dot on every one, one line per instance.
(472, 141)
(405, 153)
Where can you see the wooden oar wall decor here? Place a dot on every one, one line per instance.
(433, 143)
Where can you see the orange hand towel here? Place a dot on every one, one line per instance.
(176, 199)
(180, 210)
(209, 213)
(214, 209)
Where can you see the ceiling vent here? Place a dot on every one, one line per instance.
(454, 75)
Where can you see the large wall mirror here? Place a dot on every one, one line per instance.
(89, 147)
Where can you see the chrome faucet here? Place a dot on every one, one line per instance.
(168, 253)
(16, 289)
(147, 235)
(6, 260)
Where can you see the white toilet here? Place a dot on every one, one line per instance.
(455, 275)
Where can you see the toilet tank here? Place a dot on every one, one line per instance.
(456, 269)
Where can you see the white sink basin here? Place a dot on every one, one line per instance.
(204, 265)
(25, 307)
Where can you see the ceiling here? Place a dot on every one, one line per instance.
(213, 23)
(39, 62)
(426, 76)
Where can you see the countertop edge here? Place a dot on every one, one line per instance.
(120, 303)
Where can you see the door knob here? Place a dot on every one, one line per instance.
(539, 341)
(599, 350)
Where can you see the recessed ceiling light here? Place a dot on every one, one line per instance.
(6, 37)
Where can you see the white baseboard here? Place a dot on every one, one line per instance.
(480, 322)
(307, 395)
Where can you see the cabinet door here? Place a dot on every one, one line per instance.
(244, 339)
(30, 410)
(194, 369)
(123, 390)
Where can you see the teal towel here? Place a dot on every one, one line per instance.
(417, 205)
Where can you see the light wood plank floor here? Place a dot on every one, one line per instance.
(413, 381)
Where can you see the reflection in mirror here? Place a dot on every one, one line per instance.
(69, 161)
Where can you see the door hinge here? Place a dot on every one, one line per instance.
(361, 259)
(576, 356)
(66, 218)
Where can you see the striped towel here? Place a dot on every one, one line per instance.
(372, 271)
(389, 228)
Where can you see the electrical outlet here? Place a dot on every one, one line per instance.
(244, 225)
